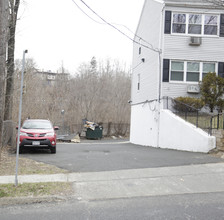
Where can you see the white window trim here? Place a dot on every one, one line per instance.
(185, 71)
(192, 71)
(202, 23)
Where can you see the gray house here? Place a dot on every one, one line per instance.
(177, 42)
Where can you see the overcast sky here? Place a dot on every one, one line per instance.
(56, 31)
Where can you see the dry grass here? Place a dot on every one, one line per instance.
(35, 189)
(26, 166)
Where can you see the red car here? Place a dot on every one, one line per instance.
(37, 133)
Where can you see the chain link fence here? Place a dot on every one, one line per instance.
(109, 129)
(9, 131)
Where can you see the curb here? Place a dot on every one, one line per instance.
(6, 201)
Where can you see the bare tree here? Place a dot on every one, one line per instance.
(101, 95)
(3, 43)
(98, 92)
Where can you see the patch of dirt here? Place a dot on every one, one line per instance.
(26, 166)
(217, 153)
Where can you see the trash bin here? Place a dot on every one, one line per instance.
(94, 134)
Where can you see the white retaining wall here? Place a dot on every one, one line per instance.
(172, 132)
(175, 133)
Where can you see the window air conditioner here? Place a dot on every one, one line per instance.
(195, 41)
(193, 89)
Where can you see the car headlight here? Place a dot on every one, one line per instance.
(23, 134)
(50, 134)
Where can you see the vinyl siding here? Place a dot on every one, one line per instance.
(149, 30)
(176, 47)
(177, 89)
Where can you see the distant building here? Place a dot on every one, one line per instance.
(51, 77)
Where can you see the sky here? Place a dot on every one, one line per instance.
(57, 32)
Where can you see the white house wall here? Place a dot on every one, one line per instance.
(144, 126)
(148, 30)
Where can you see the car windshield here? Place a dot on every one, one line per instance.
(37, 125)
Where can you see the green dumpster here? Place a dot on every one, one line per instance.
(94, 134)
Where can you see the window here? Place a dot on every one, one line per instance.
(194, 24)
(139, 50)
(193, 72)
(177, 71)
(190, 71)
(138, 85)
(211, 25)
(179, 23)
(208, 68)
(37, 125)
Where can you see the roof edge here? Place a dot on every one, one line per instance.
(143, 8)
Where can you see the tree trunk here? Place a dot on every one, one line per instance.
(14, 7)
(3, 43)
(10, 75)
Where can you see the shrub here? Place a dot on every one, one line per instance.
(212, 90)
(187, 104)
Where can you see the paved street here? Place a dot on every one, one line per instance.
(205, 206)
(109, 155)
(117, 180)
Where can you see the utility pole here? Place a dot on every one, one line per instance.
(63, 119)
(3, 43)
(20, 113)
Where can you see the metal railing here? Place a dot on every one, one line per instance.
(200, 118)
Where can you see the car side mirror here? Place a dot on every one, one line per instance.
(56, 128)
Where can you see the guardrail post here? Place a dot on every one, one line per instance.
(222, 122)
(197, 119)
(167, 102)
(210, 129)
(217, 121)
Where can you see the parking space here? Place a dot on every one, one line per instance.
(108, 155)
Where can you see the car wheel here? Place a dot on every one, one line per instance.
(53, 150)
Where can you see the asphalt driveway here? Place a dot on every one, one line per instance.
(109, 155)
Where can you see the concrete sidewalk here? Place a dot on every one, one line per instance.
(137, 182)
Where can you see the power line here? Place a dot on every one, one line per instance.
(140, 38)
(86, 13)
(156, 50)
(136, 66)
(111, 25)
